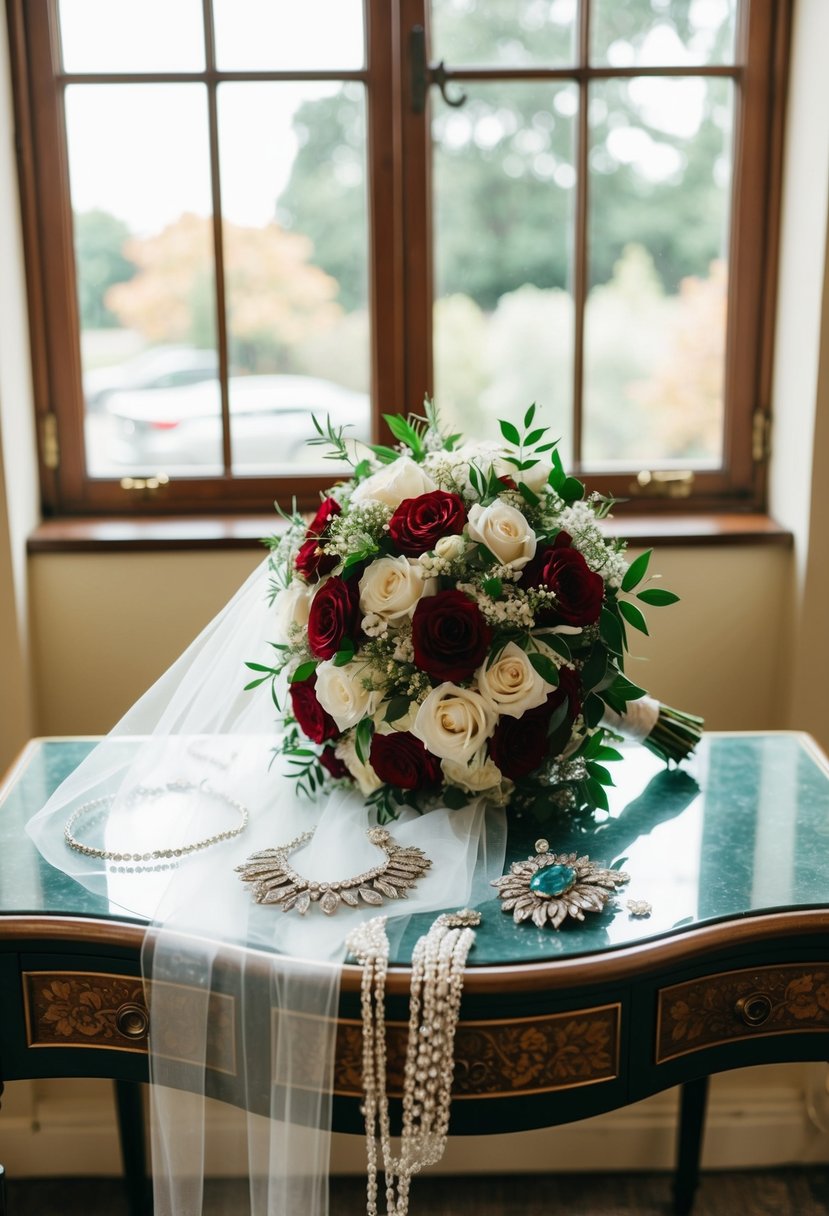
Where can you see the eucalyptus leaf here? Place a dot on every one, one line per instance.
(657, 597)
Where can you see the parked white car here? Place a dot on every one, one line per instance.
(160, 430)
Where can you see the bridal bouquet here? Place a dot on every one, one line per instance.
(453, 622)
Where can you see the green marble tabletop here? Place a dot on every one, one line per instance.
(742, 827)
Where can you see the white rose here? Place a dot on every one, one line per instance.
(511, 684)
(450, 547)
(453, 722)
(400, 479)
(504, 531)
(363, 774)
(342, 693)
(292, 607)
(391, 587)
(481, 773)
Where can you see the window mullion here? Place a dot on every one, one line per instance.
(417, 220)
(218, 235)
(580, 233)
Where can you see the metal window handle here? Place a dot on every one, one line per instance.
(423, 74)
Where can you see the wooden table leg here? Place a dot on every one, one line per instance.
(133, 1148)
(693, 1099)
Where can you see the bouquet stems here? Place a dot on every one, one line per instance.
(675, 734)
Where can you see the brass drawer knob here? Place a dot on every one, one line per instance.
(132, 1021)
(754, 1009)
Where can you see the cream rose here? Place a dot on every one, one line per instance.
(363, 774)
(292, 607)
(341, 691)
(504, 531)
(511, 684)
(448, 548)
(392, 587)
(453, 722)
(400, 479)
(481, 773)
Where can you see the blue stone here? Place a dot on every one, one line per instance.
(553, 880)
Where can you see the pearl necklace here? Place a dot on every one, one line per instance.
(97, 808)
(438, 962)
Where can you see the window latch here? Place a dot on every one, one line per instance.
(147, 484)
(422, 74)
(673, 483)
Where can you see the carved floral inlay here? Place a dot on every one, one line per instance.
(496, 1059)
(704, 1012)
(80, 1009)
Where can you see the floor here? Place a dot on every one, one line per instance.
(795, 1192)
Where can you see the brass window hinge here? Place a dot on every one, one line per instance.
(145, 483)
(761, 437)
(672, 483)
(49, 445)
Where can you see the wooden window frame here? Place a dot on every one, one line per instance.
(400, 283)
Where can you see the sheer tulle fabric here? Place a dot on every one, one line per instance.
(240, 995)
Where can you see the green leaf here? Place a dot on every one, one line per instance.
(599, 773)
(595, 793)
(345, 654)
(534, 436)
(556, 642)
(633, 616)
(404, 432)
(454, 798)
(362, 739)
(657, 597)
(384, 454)
(303, 672)
(260, 666)
(509, 432)
(528, 495)
(493, 587)
(624, 690)
(254, 683)
(593, 710)
(595, 668)
(545, 667)
(610, 631)
(397, 707)
(528, 417)
(571, 489)
(603, 752)
(636, 571)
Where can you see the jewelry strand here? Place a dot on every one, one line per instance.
(438, 963)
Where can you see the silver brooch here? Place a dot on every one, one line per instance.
(275, 882)
(549, 887)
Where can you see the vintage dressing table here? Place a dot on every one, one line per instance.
(730, 969)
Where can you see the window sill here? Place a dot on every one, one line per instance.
(200, 533)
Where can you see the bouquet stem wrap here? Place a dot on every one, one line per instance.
(669, 733)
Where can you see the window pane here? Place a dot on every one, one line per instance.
(511, 33)
(123, 35)
(660, 182)
(272, 35)
(675, 33)
(503, 199)
(140, 185)
(296, 267)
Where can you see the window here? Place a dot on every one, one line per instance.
(338, 207)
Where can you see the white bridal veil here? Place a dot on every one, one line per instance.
(243, 998)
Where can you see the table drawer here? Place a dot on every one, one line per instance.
(730, 1006)
(106, 1011)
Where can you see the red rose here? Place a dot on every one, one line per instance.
(313, 720)
(578, 590)
(319, 524)
(569, 688)
(334, 615)
(418, 523)
(449, 635)
(312, 562)
(400, 759)
(519, 745)
(332, 763)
